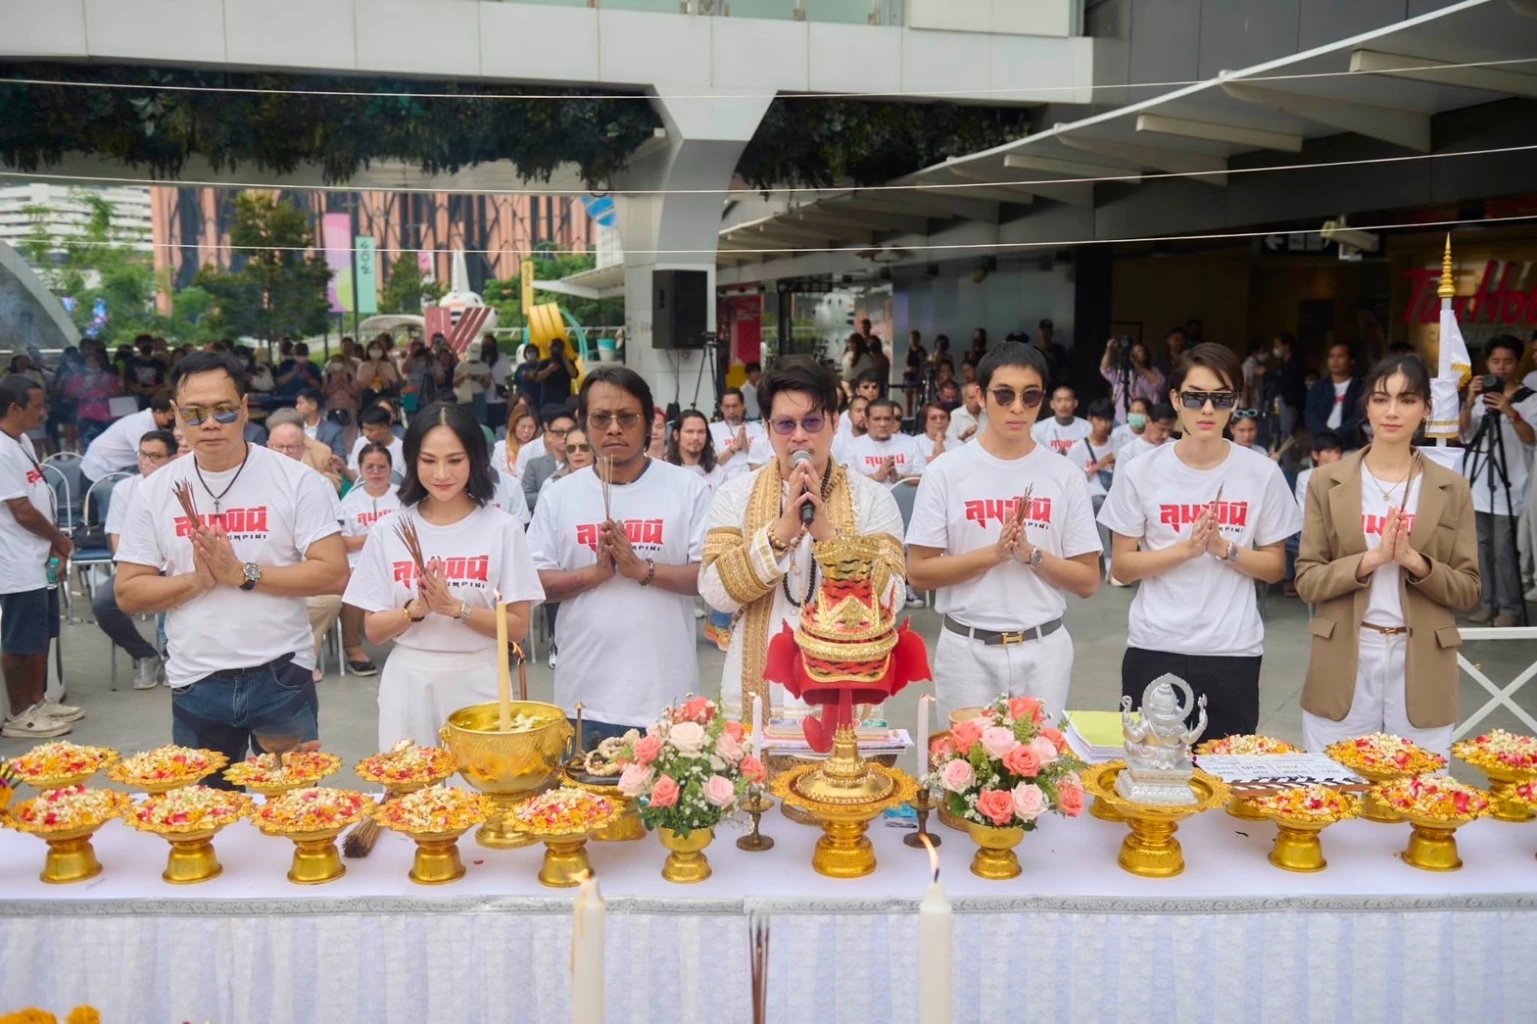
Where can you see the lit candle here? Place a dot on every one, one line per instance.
(587, 952)
(504, 670)
(757, 725)
(934, 954)
(923, 734)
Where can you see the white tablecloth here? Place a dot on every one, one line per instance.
(1072, 939)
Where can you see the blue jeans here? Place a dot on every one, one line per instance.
(229, 711)
(594, 733)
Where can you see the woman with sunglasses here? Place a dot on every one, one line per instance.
(1197, 522)
(1002, 568)
(1389, 556)
(443, 621)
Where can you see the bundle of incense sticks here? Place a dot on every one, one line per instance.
(605, 468)
(183, 491)
(406, 529)
(758, 935)
(1023, 512)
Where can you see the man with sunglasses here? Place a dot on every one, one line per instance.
(233, 581)
(1002, 566)
(758, 562)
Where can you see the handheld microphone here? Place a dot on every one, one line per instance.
(808, 511)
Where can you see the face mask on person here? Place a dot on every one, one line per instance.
(1276, 352)
(1137, 421)
(376, 353)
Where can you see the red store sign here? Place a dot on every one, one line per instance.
(1500, 298)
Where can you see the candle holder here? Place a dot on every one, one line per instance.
(923, 803)
(755, 805)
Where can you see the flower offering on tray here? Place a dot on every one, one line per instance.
(1307, 803)
(72, 807)
(565, 811)
(408, 765)
(435, 809)
(166, 764)
(689, 769)
(189, 809)
(1434, 797)
(1381, 753)
(299, 768)
(1499, 749)
(60, 760)
(1245, 746)
(311, 810)
(1527, 793)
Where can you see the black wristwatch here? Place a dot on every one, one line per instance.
(253, 576)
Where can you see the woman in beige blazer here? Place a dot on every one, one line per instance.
(1389, 555)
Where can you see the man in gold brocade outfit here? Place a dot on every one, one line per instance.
(758, 563)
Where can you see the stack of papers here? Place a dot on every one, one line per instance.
(1096, 736)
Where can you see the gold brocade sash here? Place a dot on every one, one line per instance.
(764, 509)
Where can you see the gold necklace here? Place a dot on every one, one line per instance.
(1393, 485)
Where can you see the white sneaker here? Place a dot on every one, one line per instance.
(552, 658)
(146, 673)
(699, 612)
(914, 599)
(31, 724)
(61, 712)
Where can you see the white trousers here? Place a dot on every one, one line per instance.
(418, 690)
(1379, 702)
(969, 673)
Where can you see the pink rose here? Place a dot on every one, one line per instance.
(698, 710)
(956, 775)
(997, 805)
(729, 748)
(941, 749)
(1055, 735)
(753, 770)
(635, 780)
(718, 791)
(647, 749)
(735, 731)
(1022, 761)
(1029, 802)
(1023, 709)
(1070, 796)
(664, 793)
(997, 741)
(1044, 749)
(965, 734)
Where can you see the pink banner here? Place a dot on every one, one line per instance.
(336, 233)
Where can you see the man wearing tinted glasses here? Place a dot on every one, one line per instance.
(233, 581)
(758, 552)
(1002, 565)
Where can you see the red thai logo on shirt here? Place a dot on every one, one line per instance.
(876, 461)
(34, 476)
(465, 571)
(1062, 446)
(1372, 525)
(370, 518)
(1004, 509)
(237, 522)
(646, 532)
(1229, 513)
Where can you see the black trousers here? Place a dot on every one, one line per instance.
(1230, 686)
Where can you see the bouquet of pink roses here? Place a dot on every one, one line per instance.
(1006, 767)
(689, 768)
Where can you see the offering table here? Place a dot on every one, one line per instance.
(1072, 938)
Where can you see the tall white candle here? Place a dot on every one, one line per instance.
(757, 725)
(587, 953)
(923, 734)
(934, 953)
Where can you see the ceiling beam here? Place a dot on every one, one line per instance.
(999, 194)
(1073, 193)
(1496, 80)
(1256, 138)
(1072, 168)
(814, 232)
(1400, 127)
(824, 216)
(1204, 166)
(925, 202)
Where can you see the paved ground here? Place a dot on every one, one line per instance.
(133, 720)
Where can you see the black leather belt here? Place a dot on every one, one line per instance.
(1003, 638)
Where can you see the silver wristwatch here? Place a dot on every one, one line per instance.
(1037, 556)
(464, 612)
(1231, 554)
(253, 575)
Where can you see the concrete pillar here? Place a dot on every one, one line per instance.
(705, 138)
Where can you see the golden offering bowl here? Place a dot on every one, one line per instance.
(192, 858)
(625, 828)
(71, 858)
(1433, 843)
(1101, 808)
(216, 762)
(686, 863)
(995, 859)
(1374, 807)
(1504, 805)
(1151, 851)
(316, 859)
(77, 779)
(437, 859)
(508, 767)
(276, 789)
(777, 764)
(844, 793)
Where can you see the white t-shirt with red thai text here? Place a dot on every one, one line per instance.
(481, 553)
(961, 505)
(24, 565)
(275, 508)
(626, 651)
(1059, 437)
(866, 455)
(1085, 452)
(1203, 606)
(361, 510)
(725, 435)
(1385, 601)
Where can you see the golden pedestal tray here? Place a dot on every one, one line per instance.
(628, 826)
(509, 767)
(1298, 845)
(321, 765)
(1373, 807)
(216, 761)
(1433, 843)
(1105, 774)
(192, 858)
(71, 858)
(43, 784)
(1151, 851)
(844, 793)
(1504, 805)
(565, 851)
(778, 764)
(437, 860)
(686, 862)
(316, 859)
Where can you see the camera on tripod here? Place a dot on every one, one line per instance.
(1492, 383)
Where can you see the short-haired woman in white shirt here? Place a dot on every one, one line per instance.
(443, 623)
(374, 498)
(1197, 522)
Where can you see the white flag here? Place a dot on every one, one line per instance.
(1454, 364)
(1444, 408)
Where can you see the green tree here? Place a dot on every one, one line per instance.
(406, 290)
(280, 290)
